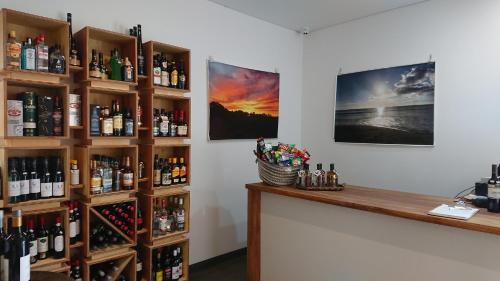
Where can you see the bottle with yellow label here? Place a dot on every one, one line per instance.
(182, 171)
(13, 52)
(175, 171)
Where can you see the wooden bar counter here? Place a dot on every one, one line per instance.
(290, 211)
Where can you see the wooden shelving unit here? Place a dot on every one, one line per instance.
(125, 261)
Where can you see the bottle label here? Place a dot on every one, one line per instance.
(29, 125)
(96, 182)
(156, 176)
(72, 229)
(180, 217)
(25, 186)
(77, 227)
(43, 245)
(166, 179)
(138, 267)
(157, 76)
(159, 276)
(24, 273)
(175, 172)
(128, 179)
(58, 188)
(4, 268)
(59, 243)
(46, 189)
(129, 128)
(182, 130)
(117, 122)
(175, 272)
(35, 186)
(14, 50)
(173, 78)
(30, 61)
(164, 128)
(107, 126)
(494, 192)
(165, 79)
(33, 248)
(14, 188)
(75, 177)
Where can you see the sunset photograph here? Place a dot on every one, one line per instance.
(244, 103)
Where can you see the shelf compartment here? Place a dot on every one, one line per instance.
(152, 48)
(34, 151)
(150, 249)
(125, 261)
(84, 154)
(91, 215)
(29, 25)
(147, 202)
(12, 88)
(104, 41)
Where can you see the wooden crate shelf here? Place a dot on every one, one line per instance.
(152, 48)
(147, 153)
(149, 249)
(33, 151)
(28, 25)
(91, 214)
(147, 203)
(104, 41)
(12, 88)
(84, 154)
(125, 261)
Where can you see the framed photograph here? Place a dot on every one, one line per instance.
(386, 106)
(244, 103)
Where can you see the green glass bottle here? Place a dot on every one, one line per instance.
(116, 66)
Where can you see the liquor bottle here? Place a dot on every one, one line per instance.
(19, 256)
(167, 264)
(139, 112)
(57, 61)
(164, 224)
(156, 123)
(58, 181)
(34, 180)
(74, 54)
(14, 182)
(128, 175)
(94, 69)
(13, 50)
(33, 247)
(180, 215)
(332, 178)
(117, 120)
(494, 191)
(156, 71)
(182, 126)
(317, 176)
(42, 54)
(115, 66)
(95, 179)
(308, 176)
(75, 173)
(173, 125)
(181, 259)
(72, 224)
(29, 113)
(117, 176)
(182, 171)
(163, 123)
(175, 172)
(76, 273)
(107, 175)
(157, 268)
(166, 175)
(174, 76)
(141, 65)
(102, 67)
(24, 182)
(127, 71)
(95, 124)
(106, 122)
(28, 55)
(175, 266)
(57, 117)
(165, 76)
(58, 239)
(182, 76)
(129, 123)
(156, 172)
(4, 250)
(141, 172)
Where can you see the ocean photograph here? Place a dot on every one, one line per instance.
(386, 106)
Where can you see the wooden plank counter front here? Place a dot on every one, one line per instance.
(393, 203)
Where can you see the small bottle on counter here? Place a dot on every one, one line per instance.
(332, 178)
(319, 176)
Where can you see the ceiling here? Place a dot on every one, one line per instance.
(312, 14)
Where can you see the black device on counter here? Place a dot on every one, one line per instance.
(481, 189)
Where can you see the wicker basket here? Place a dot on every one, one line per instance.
(277, 175)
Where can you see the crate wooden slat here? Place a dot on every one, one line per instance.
(148, 249)
(125, 261)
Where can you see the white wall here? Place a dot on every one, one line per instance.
(219, 169)
(462, 37)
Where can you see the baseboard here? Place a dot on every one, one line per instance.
(218, 259)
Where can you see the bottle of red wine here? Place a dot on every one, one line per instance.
(24, 183)
(4, 251)
(30, 235)
(58, 242)
(46, 181)
(42, 238)
(19, 256)
(58, 182)
(72, 224)
(14, 182)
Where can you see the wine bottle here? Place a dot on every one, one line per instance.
(42, 238)
(30, 235)
(180, 262)
(58, 239)
(128, 175)
(19, 256)
(4, 250)
(72, 224)
(24, 183)
(157, 269)
(46, 181)
(14, 182)
(167, 264)
(58, 182)
(180, 215)
(175, 267)
(34, 180)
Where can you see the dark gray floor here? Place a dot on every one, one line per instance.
(230, 268)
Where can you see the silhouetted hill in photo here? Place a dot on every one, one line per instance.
(225, 124)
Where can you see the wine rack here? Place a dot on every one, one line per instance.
(125, 263)
(181, 241)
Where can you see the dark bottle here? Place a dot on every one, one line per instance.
(58, 239)
(141, 65)
(76, 273)
(156, 172)
(494, 191)
(128, 175)
(74, 54)
(34, 180)
(115, 66)
(94, 69)
(129, 123)
(24, 182)
(175, 266)
(77, 219)
(57, 117)
(173, 125)
(4, 250)
(57, 61)
(14, 182)
(19, 256)
(166, 175)
(95, 124)
(30, 235)
(117, 120)
(29, 113)
(157, 268)
(102, 67)
(156, 123)
(46, 181)
(138, 266)
(182, 76)
(72, 224)
(117, 176)
(140, 221)
(332, 178)
(42, 238)
(308, 176)
(167, 265)
(58, 181)
(157, 70)
(181, 259)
